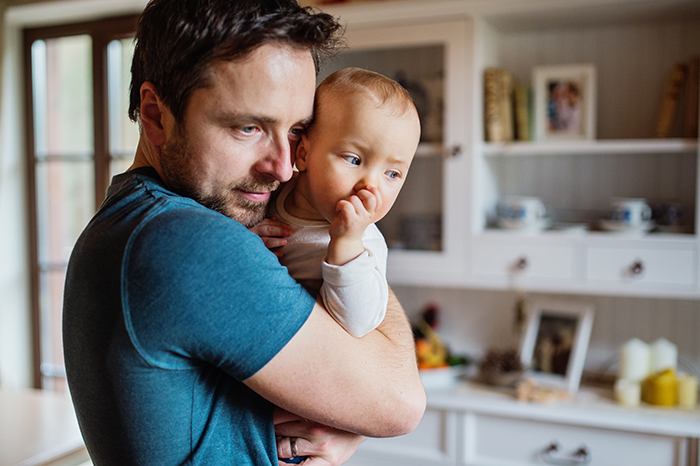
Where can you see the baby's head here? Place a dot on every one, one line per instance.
(365, 132)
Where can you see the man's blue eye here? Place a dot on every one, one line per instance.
(393, 175)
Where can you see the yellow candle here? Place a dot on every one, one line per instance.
(661, 389)
(687, 390)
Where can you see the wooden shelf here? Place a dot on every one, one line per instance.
(607, 146)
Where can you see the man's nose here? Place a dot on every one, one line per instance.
(277, 161)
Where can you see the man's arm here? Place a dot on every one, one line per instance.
(369, 386)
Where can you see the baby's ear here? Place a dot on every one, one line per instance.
(301, 153)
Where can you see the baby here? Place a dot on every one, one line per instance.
(352, 163)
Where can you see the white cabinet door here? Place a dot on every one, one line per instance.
(642, 267)
(500, 441)
(426, 228)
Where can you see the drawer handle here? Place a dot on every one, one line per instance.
(520, 264)
(579, 457)
(637, 268)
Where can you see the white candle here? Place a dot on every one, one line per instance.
(628, 392)
(664, 355)
(634, 360)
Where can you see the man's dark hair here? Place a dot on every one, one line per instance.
(178, 40)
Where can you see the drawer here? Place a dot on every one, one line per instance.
(644, 266)
(503, 259)
(515, 442)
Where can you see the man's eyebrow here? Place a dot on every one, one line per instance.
(232, 119)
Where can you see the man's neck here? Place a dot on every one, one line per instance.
(146, 157)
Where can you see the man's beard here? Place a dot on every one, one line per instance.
(181, 176)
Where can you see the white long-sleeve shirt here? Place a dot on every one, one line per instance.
(356, 293)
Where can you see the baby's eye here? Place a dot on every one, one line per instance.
(393, 174)
(352, 159)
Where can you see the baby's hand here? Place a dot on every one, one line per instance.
(356, 213)
(273, 232)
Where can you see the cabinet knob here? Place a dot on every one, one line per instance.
(637, 268)
(520, 264)
(579, 457)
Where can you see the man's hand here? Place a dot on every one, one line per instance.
(323, 445)
(273, 232)
(355, 214)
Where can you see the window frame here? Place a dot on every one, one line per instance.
(102, 32)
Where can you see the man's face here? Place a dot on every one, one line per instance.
(234, 146)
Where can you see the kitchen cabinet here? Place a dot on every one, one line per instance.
(473, 425)
(458, 177)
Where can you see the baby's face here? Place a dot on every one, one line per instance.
(355, 144)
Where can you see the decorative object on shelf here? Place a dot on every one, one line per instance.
(565, 102)
(501, 368)
(427, 95)
(522, 98)
(687, 390)
(662, 355)
(555, 342)
(668, 217)
(661, 388)
(628, 392)
(431, 351)
(692, 95)
(673, 91)
(530, 390)
(634, 364)
(421, 232)
(521, 213)
(628, 215)
(498, 105)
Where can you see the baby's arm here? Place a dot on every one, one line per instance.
(354, 288)
(356, 293)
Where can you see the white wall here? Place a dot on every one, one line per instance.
(15, 314)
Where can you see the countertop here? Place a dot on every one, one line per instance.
(39, 428)
(590, 406)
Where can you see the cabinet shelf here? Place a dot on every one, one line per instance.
(605, 146)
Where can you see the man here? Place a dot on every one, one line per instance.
(181, 330)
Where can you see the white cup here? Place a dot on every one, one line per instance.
(523, 211)
(630, 212)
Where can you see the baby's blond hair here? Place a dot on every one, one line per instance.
(383, 90)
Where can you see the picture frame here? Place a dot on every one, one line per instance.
(565, 102)
(555, 342)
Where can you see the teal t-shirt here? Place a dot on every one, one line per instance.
(168, 306)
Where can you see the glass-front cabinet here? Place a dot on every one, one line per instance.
(589, 87)
(425, 228)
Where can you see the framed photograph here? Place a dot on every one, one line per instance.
(565, 102)
(555, 342)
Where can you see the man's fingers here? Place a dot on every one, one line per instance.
(272, 242)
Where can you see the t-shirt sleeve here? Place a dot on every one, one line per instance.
(200, 288)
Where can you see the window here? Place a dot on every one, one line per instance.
(78, 136)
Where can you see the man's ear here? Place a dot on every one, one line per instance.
(302, 153)
(153, 113)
